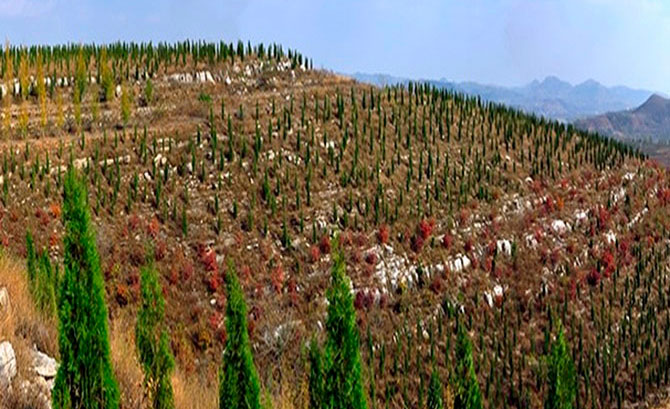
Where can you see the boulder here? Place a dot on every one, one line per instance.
(44, 365)
(7, 363)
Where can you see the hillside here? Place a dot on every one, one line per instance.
(648, 122)
(448, 210)
(551, 97)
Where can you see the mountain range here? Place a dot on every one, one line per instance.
(551, 97)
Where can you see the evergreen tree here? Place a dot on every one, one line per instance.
(152, 340)
(239, 387)
(31, 260)
(85, 378)
(468, 395)
(316, 381)
(342, 369)
(562, 379)
(45, 284)
(435, 396)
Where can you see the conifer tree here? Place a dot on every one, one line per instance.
(562, 384)
(31, 259)
(342, 367)
(435, 395)
(316, 381)
(152, 340)
(45, 283)
(468, 395)
(85, 378)
(239, 386)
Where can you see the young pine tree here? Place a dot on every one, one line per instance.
(45, 284)
(562, 384)
(468, 395)
(435, 395)
(239, 387)
(85, 378)
(31, 260)
(316, 381)
(343, 387)
(152, 341)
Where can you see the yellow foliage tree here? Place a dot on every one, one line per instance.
(41, 91)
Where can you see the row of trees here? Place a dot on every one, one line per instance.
(86, 380)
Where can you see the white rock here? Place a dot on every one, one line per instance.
(4, 299)
(459, 263)
(117, 91)
(559, 226)
(504, 246)
(44, 365)
(610, 237)
(7, 363)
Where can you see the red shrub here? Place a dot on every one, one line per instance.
(425, 228)
(153, 227)
(469, 245)
(324, 244)
(245, 273)
(417, 243)
(208, 259)
(436, 285)
(383, 234)
(55, 210)
(447, 241)
(277, 278)
(593, 278)
(133, 222)
(160, 250)
(186, 270)
(371, 258)
(314, 254)
(213, 282)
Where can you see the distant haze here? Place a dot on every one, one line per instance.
(506, 42)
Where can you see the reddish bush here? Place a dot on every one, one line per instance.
(213, 282)
(214, 320)
(277, 278)
(160, 250)
(55, 210)
(436, 285)
(186, 270)
(122, 294)
(447, 241)
(153, 227)
(371, 258)
(383, 234)
(314, 254)
(416, 243)
(133, 222)
(425, 228)
(324, 244)
(208, 259)
(469, 245)
(593, 278)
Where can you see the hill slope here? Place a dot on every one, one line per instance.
(448, 209)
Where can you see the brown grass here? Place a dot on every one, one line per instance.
(24, 327)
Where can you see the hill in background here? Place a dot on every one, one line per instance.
(551, 98)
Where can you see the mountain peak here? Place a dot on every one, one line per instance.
(655, 105)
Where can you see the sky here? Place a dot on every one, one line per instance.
(502, 42)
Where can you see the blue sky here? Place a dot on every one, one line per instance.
(507, 42)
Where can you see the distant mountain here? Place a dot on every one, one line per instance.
(650, 122)
(552, 97)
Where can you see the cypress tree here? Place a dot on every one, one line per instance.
(435, 396)
(342, 369)
(238, 381)
(562, 379)
(468, 395)
(152, 340)
(31, 260)
(316, 381)
(45, 283)
(85, 378)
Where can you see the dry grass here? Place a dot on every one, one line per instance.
(124, 360)
(24, 327)
(193, 392)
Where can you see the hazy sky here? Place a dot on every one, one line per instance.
(506, 42)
